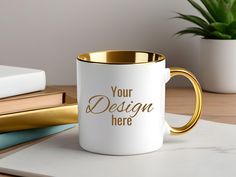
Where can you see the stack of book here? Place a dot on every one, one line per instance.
(29, 110)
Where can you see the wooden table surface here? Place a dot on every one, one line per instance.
(216, 107)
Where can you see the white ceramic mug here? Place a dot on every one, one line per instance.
(121, 101)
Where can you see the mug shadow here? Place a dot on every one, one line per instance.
(69, 142)
(173, 141)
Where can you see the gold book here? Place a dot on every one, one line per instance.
(65, 114)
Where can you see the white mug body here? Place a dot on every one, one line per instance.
(121, 106)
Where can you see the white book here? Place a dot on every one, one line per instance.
(17, 80)
(206, 151)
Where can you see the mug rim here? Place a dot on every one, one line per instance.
(120, 57)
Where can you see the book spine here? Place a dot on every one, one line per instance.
(60, 115)
(23, 83)
(14, 138)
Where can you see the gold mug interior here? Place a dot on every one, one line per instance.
(121, 57)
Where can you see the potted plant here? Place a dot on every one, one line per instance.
(217, 26)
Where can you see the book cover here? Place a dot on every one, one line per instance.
(49, 97)
(17, 80)
(59, 115)
(13, 138)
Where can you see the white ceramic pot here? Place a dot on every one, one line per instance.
(218, 65)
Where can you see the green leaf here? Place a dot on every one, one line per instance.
(219, 35)
(233, 24)
(193, 30)
(224, 11)
(233, 10)
(194, 19)
(232, 28)
(211, 5)
(220, 10)
(233, 36)
(221, 27)
(204, 13)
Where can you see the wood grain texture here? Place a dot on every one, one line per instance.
(216, 107)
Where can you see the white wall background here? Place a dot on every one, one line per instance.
(49, 34)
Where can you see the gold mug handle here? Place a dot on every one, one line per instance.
(174, 71)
